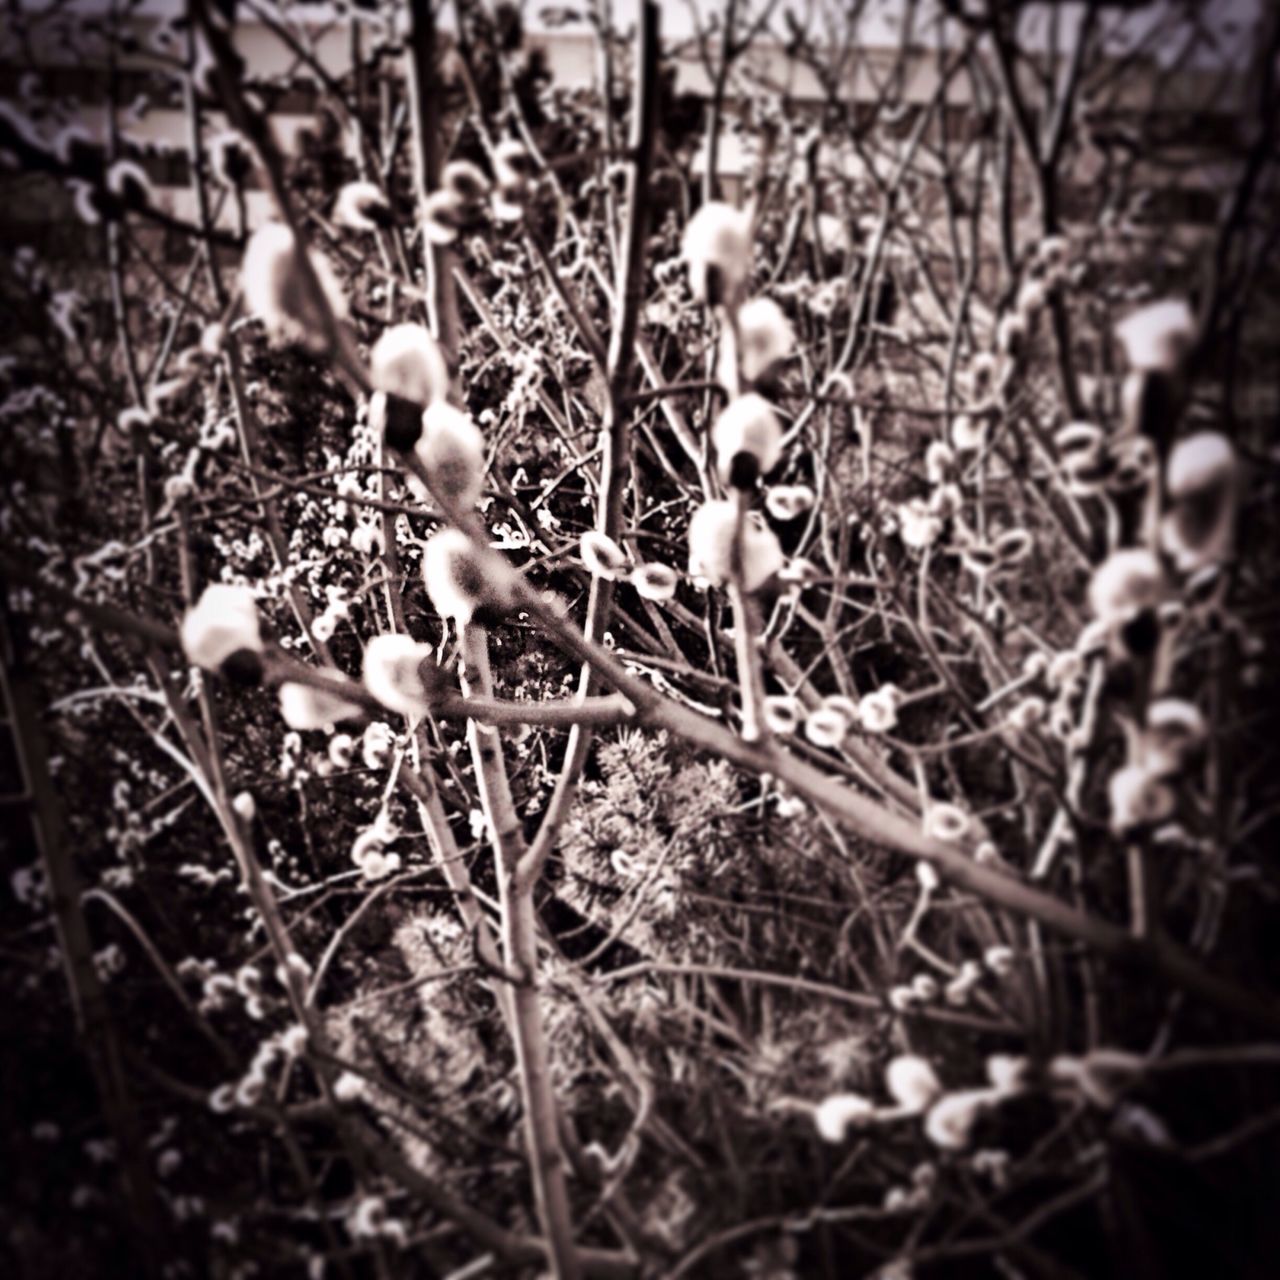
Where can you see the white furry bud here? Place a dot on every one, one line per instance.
(223, 621)
(834, 1116)
(466, 180)
(391, 671)
(406, 362)
(128, 182)
(951, 1119)
(1158, 336)
(602, 556)
(1138, 798)
(782, 714)
(376, 744)
(306, 708)
(460, 579)
(787, 501)
(765, 337)
(1124, 584)
(711, 537)
(361, 206)
(275, 292)
(747, 426)
(1175, 728)
(946, 822)
(717, 247)
(1201, 479)
(878, 712)
(451, 449)
(912, 1082)
(825, 727)
(654, 581)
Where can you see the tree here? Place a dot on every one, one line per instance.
(470, 887)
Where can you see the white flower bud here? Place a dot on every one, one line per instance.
(968, 433)
(341, 750)
(275, 292)
(392, 673)
(1000, 960)
(787, 501)
(509, 200)
(222, 1099)
(939, 461)
(244, 806)
(951, 1119)
(747, 426)
(1007, 1073)
(1026, 715)
(878, 711)
(1175, 728)
(925, 987)
(602, 556)
(1064, 669)
(1032, 295)
(903, 999)
(986, 854)
(834, 1116)
(444, 214)
(377, 864)
(223, 621)
(912, 1082)
(128, 182)
(376, 744)
(918, 526)
(1158, 336)
(1035, 664)
(946, 822)
(1199, 462)
(1201, 482)
(406, 362)
(825, 727)
(1138, 797)
(249, 1090)
(466, 180)
(461, 579)
(1013, 545)
(711, 536)
(764, 337)
(361, 206)
(782, 714)
(1011, 334)
(512, 163)
(927, 875)
(717, 247)
(451, 449)
(1082, 454)
(1125, 583)
(306, 708)
(294, 1040)
(348, 1087)
(654, 581)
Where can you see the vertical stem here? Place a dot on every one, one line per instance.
(615, 431)
(520, 954)
(424, 116)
